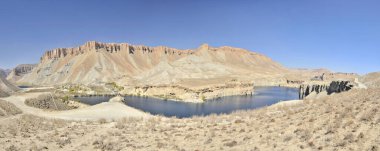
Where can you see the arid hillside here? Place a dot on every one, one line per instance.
(371, 79)
(344, 121)
(6, 87)
(96, 63)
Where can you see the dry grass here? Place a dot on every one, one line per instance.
(346, 121)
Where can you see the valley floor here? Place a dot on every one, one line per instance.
(345, 121)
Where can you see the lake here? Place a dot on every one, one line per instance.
(263, 96)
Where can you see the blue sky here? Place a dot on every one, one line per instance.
(341, 35)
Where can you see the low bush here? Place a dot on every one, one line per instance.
(47, 101)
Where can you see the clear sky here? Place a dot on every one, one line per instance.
(341, 35)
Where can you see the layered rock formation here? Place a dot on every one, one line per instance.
(98, 63)
(333, 87)
(18, 72)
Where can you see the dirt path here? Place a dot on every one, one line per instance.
(106, 110)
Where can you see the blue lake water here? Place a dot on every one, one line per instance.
(263, 96)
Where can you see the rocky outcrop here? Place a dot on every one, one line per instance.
(96, 63)
(334, 87)
(109, 47)
(18, 72)
(339, 86)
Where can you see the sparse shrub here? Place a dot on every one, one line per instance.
(238, 121)
(349, 137)
(288, 137)
(115, 86)
(368, 114)
(62, 141)
(102, 121)
(230, 144)
(104, 145)
(203, 98)
(12, 148)
(120, 124)
(2, 113)
(208, 141)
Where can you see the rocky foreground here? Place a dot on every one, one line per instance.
(345, 121)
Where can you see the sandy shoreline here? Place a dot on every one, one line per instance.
(106, 110)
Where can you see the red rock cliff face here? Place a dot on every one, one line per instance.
(111, 48)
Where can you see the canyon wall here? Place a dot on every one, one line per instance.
(96, 63)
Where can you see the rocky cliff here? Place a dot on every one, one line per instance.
(97, 63)
(21, 70)
(110, 48)
(333, 87)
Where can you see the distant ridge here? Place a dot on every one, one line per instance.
(96, 62)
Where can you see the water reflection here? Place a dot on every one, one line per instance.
(263, 96)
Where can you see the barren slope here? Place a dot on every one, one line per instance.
(371, 79)
(6, 88)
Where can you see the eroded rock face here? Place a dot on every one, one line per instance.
(96, 63)
(18, 72)
(108, 47)
(334, 87)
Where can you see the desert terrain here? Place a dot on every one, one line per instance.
(337, 111)
(192, 75)
(344, 121)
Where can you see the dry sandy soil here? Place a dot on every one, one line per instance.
(106, 110)
(345, 121)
